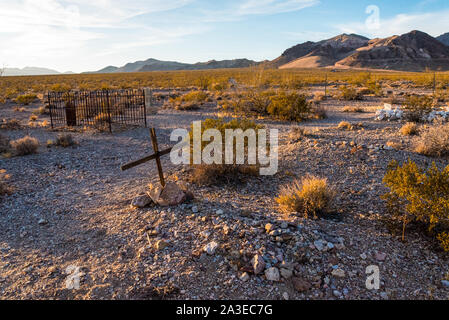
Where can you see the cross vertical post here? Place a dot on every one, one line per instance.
(158, 158)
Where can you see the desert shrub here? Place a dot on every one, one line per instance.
(311, 196)
(5, 188)
(297, 134)
(374, 88)
(344, 125)
(190, 101)
(195, 96)
(249, 103)
(393, 100)
(349, 93)
(289, 106)
(349, 109)
(417, 107)
(319, 97)
(65, 140)
(25, 146)
(12, 124)
(26, 99)
(4, 144)
(205, 174)
(418, 195)
(43, 110)
(409, 129)
(434, 141)
(60, 87)
(318, 112)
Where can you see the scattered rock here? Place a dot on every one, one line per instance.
(195, 209)
(286, 274)
(337, 293)
(380, 256)
(319, 245)
(244, 277)
(339, 273)
(445, 283)
(161, 245)
(170, 195)
(269, 228)
(43, 222)
(211, 248)
(301, 285)
(363, 256)
(258, 264)
(141, 201)
(272, 274)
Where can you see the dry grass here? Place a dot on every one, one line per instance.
(344, 125)
(25, 146)
(409, 129)
(349, 109)
(65, 140)
(297, 134)
(394, 145)
(311, 196)
(4, 144)
(12, 124)
(434, 141)
(5, 188)
(208, 175)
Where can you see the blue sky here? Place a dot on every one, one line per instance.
(82, 35)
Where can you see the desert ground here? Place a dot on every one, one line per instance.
(71, 207)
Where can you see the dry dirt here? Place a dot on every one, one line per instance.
(82, 201)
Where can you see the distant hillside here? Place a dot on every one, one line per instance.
(158, 65)
(444, 38)
(320, 54)
(414, 51)
(29, 71)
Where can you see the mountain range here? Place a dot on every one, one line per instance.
(413, 51)
(158, 65)
(31, 71)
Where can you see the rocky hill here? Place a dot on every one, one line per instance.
(444, 38)
(158, 65)
(320, 54)
(414, 51)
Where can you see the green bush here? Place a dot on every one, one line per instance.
(289, 106)
(417, 107)
(418, 195)
(349, 93)
(311, 196)
(26, 99)
(214, 174)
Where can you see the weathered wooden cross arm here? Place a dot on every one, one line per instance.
(156, 156)
(144, 160)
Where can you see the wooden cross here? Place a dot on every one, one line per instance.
(156, 156)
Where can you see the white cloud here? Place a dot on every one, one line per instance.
(434, 23)
(44, 31)
(274, 6)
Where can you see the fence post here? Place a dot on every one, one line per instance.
(109, 111)
(145, 92)
(325, 88)
(50, 109)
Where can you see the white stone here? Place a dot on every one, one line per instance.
(272, 274)
(211, 248)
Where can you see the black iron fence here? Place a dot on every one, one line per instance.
(99, 109)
